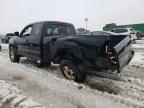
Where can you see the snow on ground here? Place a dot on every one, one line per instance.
(140, 41)
(54, 92)
(138, 58)
(11, 97)
(138, 47)
(48, 87)
(4, 46)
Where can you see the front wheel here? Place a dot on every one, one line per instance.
(13, 56)
(71, 71)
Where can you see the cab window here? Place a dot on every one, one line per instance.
(36, 29)
(59, 30)
(27, 31)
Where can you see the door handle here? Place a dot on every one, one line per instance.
(31, 45)
(54, 39)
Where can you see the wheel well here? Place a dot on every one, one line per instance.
(14, 48)
(66, 55)
(11, 46)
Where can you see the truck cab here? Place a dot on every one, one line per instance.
(35, 37)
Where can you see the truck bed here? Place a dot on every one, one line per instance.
(121, 46)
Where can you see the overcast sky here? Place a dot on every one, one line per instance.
(15, 14)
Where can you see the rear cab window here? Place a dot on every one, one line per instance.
(59, 29)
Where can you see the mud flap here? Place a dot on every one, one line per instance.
(124, 53)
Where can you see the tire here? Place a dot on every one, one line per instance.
(71, 71)
(12, 55)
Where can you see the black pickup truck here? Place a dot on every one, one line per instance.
(57, 42)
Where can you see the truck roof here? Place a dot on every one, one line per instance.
(52, 22)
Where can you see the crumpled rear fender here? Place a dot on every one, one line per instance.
(65, 49)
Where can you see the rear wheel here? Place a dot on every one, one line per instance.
(71, 71)
(12, 55)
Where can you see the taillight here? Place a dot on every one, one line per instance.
(109, 53)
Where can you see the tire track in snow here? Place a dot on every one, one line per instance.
(11, 97)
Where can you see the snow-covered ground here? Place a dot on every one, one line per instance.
(140, 41)
(48, 87)
(138, 47)
(11, 97)
(4, 46)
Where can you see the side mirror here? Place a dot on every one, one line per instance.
(16, 33)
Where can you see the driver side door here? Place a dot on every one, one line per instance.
(22, 42)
